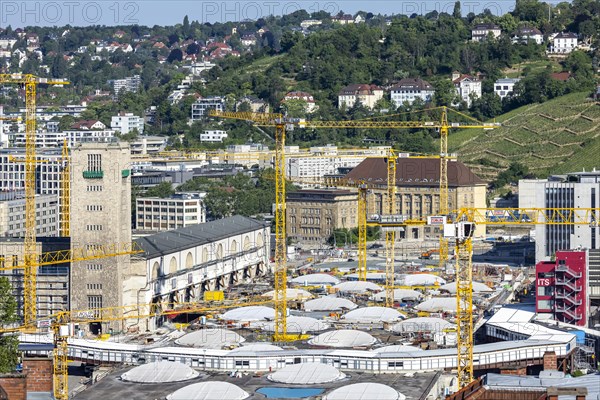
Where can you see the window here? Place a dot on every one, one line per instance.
(94, 162)
(546, 275)
(94, 301)
(94, 227)
(394, 364)
(94, 286)
(544, 304)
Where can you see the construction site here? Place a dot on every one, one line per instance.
(228, 309)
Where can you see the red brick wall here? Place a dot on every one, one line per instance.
(550, 361)
(39, 374)
(514, 371)
(14, 385)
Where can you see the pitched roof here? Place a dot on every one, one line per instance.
(414, 172)
(566, 35)
(359, 88)
(191, 236)
(464, 77)
(527, 31)
(486, 26)
(412, 84)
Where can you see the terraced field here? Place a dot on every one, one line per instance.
(562, 135)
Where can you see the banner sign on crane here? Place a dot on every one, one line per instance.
(436, 220)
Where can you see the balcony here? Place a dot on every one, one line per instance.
(568, 271)
(93, 174)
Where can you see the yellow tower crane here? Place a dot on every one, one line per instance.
(30, 83)
(463, 227)
(279, 122)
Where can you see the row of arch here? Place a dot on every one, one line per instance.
(172, 266)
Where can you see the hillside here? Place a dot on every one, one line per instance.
(561, 135)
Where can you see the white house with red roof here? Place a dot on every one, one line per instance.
(468, 87)
(311, 105)
(367, 94)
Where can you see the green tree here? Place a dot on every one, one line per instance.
(162, 190)
(9, 355)
(457, 13)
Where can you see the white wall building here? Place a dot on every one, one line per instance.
(410, 89)
(564, 43)
(213, 136)
(575, 190)
(505, 87)
(126, 122)
(56, 139)
(481, 31)
(201, 107)
(526, 34)
(180, 210)
(468, 87)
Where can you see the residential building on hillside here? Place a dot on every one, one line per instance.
(307, 23)
(410, 89)
(562, 288)
(129, 84)
(100, 214)
(12, 214)
(343, 19)
(525, 34)
(573, 190)
(313, 214)
(311, 105)
(211, 256)
(366, 94)
(254, 103)
(505, 87)
(145, 144)
(468, 87)
(482, 31)
(564, 43)
(201, 107)
(180, 210)
(418, 194)
(86, 125)
(213, 136)
(124, 123)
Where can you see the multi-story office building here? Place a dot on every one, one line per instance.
(100, 214)
(52, 281)
(181, 210)
(418, 190)
(12, 214)
(201, 107)
(562, 287)
(56, 139)
(12, 172)
(574, 190)
(126, 122)
(313, 214)
(148, 144)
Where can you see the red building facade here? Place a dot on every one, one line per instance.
(562, 287)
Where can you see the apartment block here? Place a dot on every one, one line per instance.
(12, 214)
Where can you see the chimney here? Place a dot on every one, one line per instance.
(39, 373)
(550, 361)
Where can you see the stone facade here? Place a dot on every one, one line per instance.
(313, 214)
(100, 214)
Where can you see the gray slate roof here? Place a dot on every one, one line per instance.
(191, 236)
